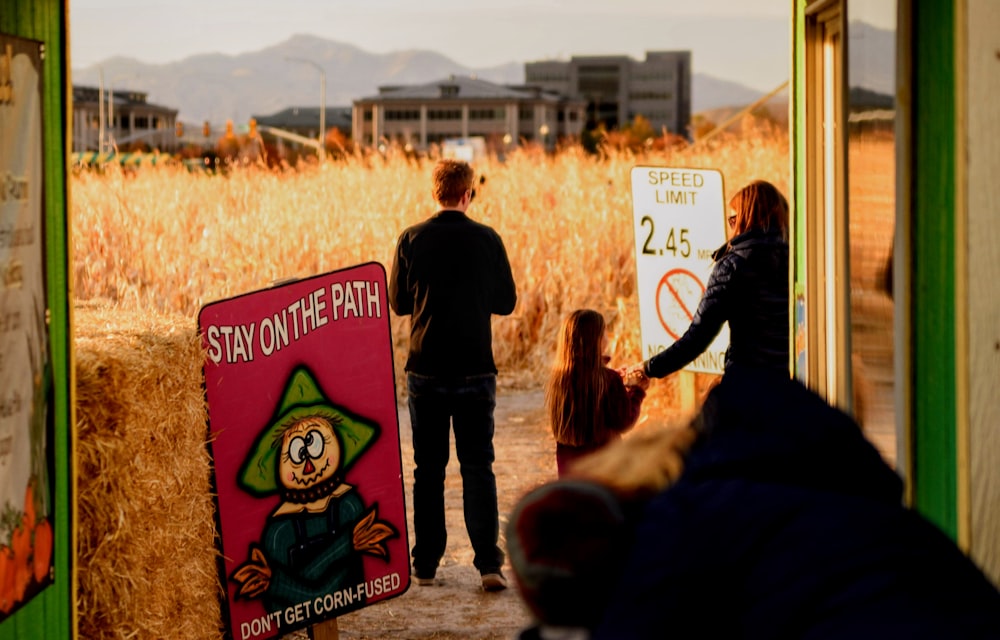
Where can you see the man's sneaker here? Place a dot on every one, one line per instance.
(423, 582)
(494, 582)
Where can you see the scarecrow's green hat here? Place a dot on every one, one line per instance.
(302, 398)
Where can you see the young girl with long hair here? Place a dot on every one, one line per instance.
(589, 404)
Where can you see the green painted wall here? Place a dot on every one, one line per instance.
(49, 615)
(934, 474)
(935, 484)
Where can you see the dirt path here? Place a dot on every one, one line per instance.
(456, 607)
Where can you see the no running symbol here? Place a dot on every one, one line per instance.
(677, 298)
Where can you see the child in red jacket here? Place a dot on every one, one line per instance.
(589, 404)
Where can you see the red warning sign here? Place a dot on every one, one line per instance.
(305, 447)
(677, 298)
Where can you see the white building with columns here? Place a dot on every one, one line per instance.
(462, 107)
(124, 117)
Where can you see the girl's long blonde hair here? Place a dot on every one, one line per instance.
(576, 386)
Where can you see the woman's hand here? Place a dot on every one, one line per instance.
(634, 376)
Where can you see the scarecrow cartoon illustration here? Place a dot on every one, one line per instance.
(312, 542)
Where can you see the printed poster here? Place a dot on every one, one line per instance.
(305, 442)
(26, 526)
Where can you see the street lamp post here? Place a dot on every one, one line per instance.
(106, 111)
(322, 103)
(100, 112)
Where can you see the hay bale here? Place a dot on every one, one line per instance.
(146, 518)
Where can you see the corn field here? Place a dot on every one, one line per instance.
(167, 241)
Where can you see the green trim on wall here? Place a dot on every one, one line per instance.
(798, 170)
(49, 615)
(935, 472)
(799, 135)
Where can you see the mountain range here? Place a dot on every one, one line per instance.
(216, 87)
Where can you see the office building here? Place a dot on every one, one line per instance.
(618, 88)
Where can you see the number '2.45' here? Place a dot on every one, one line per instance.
(676, 241)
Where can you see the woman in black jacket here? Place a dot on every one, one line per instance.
(748, 288)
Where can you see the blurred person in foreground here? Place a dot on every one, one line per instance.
(451, 274)
(743, 524)
(748, 288)
(589, 404)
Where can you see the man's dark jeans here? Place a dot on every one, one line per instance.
(467, 403)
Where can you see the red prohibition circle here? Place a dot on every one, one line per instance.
(665, 281)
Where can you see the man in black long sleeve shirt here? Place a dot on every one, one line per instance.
(451, 274)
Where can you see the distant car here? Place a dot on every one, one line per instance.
(467, 149)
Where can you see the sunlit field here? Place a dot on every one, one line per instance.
(163, 240)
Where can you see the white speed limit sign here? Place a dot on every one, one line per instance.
(679, 217)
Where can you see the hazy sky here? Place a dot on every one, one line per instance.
(474, 33)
